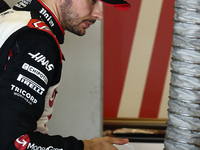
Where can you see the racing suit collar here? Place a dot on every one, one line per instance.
(45, 14)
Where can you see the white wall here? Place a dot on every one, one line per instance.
(78, 106)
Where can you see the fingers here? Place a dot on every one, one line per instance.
(103, 143)
(118, 141)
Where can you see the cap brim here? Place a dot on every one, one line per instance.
(122, 6)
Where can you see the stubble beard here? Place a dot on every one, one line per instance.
(69, 18)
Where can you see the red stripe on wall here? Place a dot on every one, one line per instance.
(119, 29)
(159, 63)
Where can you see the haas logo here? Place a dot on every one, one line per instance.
(22, 142)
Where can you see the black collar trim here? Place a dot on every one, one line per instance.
(45, 15)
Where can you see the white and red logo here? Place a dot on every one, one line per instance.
(41, 25)
(52, 98)
(22, 142)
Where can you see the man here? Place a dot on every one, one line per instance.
(30, 69)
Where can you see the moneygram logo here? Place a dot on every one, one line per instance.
(22, 142)
(35, 147)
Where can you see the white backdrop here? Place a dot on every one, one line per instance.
(78, 105)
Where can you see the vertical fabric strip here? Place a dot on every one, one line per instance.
(159, 64)
(119, 29)
(140, 57)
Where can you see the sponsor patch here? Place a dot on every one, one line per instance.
(23, 94)
(36, 147)
(47, 16)
(5, 13)
(31, 84)
(41, 25)
(23, 3)
(36, 72)
(42, 59)
(22, 142)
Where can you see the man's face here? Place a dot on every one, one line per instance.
(78, 15)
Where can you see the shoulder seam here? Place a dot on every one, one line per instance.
(40, 25)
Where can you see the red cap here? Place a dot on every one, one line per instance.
(119, 4)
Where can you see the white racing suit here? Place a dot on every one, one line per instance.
(30, 70)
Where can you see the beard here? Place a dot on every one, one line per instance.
(71, 20)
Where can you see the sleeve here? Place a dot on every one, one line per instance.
(33, 67)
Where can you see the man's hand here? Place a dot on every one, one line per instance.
(103, 143)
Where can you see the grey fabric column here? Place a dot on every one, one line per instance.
(183, 126)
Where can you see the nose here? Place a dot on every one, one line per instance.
(98, 10)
